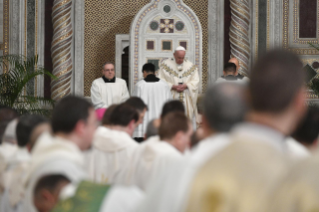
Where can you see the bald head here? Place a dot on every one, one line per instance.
(236, 62)
(224, 106)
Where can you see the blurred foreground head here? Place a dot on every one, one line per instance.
(177, 130)
(74, 118)
(224, 106)
(140, 107)
(124, 118)
(29, 128)
(277, 89)
(172, 106)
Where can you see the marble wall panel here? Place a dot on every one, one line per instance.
(1, 21)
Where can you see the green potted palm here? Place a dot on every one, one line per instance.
(16, 72)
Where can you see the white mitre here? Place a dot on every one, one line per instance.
(180, 48)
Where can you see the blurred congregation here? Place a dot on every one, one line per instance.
(159, 106)
(252, 146)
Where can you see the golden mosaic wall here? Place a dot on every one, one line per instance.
(105, 19)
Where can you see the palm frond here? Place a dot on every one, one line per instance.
(19, 72)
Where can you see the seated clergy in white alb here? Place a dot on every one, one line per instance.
(154, 92)
(182, 77)
(157, 154)
(112, 144)
(28, 129)
(108, 89)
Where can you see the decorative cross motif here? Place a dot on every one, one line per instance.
(167, 26)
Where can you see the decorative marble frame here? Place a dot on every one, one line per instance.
(296, 38)
(215, 40)
(187, 43)
(288, 29)
(162, 45)
(146, 11)
(122, 41)
(78, 71)
(154, 45)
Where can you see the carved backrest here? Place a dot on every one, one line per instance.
(157, 30)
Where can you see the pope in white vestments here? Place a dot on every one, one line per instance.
(183, 79)
(108, 89)
(155, 93)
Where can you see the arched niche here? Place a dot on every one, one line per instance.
(157, 29)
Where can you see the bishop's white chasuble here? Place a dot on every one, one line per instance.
(104, 94)
(186, 73)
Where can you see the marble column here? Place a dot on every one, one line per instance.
(62, 48)
(239, 33)
(215, 40)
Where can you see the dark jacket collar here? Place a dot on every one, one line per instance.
(106, 80)
(230, 77)
(151, 78)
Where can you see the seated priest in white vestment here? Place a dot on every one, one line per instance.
(73, 124)
(155, 155)
(57, 180)
(142, 110)
(183, 79)
(28, 130)
(113, 145)
(154, 92)
(108, 89)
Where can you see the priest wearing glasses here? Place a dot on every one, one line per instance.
(108, 89)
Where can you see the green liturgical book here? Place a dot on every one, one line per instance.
(88, 198)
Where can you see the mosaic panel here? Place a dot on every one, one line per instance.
(150, 45)
(300, 51)
(183, 44)
(297, 28)
(105, 19)
(167, 26)
(155, 62)
(166, 45)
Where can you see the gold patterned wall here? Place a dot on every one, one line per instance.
(105, 19)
